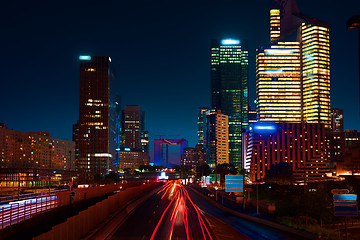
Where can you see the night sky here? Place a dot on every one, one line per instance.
(161, 53)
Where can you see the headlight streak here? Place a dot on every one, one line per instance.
(179, 203)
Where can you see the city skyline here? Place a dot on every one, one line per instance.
(55, 45)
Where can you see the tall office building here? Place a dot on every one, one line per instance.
(316, 72)
(278, 82)
(200, 123)
(135, 146)
(229, 90)
(132, 126)
(97, 119)
(217, 137)
(293, 71)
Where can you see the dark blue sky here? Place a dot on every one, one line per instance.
(160, 50)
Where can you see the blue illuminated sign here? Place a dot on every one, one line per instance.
(230, 41)
(345, 205)
(234, 183)
(127, 149)
(84, 57)
(345, 197)
(263, 128)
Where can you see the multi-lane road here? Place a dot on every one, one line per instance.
(178, 212)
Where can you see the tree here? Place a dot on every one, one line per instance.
(203, 170)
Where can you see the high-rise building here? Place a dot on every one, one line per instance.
(135, 146)
(97, 119)
(293, 72)
(278, 82)
(229, 90)
(132, 126)
(200, 123)
(316, 72)
(217, 137)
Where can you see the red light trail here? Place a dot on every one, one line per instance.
(181, 203)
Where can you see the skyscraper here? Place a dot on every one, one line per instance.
(293, 71)
(97, 119)
(132, 126)
(200, 123)
(316, 72)
(217, 137)
(278, 82)
(229, 90)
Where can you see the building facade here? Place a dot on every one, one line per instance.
(293, 71)
(278, 82)
(132, 126)
(97, 119)
(200, 124)
(300, 145)
(194, 157)
(132, 159)
(229, 90)
(217, 138)
(35, 150)
(337, 120)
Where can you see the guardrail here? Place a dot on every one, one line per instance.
(7, 199)
(16, 212)
(78, 226)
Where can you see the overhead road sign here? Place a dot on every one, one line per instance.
(234, 183)
(345, 205)
(215, 178)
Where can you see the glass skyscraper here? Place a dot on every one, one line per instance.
(278, 82)
(293, 71)
(229, 90)
(98, 113)
(316, 73)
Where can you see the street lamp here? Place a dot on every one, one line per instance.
(353, 23)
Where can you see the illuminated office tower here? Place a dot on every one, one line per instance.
(293, 71)
(274, 24)
(132, 126)
(278, 82)
(229, 90)
(201, 118)
(316, 73)
(217, 137)
(97, 119)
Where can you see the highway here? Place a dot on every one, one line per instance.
(171, 214)
(178, 212)
(249, 229)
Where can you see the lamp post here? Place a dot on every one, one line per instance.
(354, 23)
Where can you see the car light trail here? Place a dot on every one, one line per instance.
(180, 203)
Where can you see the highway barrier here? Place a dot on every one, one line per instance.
(14, 212)
(79, 225)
